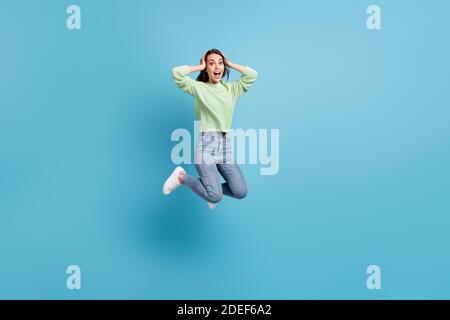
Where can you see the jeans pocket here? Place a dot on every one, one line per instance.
(207, 139)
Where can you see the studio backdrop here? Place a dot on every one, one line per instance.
(346, 161)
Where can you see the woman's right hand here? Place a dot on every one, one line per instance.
(202, 62)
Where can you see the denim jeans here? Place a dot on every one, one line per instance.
(213, 156)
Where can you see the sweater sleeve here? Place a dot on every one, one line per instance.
(182, 80)
(241, 86)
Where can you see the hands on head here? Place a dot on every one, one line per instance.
(202, 62)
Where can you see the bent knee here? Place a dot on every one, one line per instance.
(240, 193)
(214, 197)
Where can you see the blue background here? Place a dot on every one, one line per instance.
(85, 123)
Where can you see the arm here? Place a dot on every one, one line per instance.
(235, 66)
(196, 68)
(181, 76)
(248, 77)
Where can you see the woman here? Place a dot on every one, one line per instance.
(214, 105)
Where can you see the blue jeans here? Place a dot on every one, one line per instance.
(213, 155)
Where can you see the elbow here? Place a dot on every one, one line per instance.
(252, 72)
(253, 77)
(174, 72)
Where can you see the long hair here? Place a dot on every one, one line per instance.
(203, 76)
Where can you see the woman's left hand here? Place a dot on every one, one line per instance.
(226, 60)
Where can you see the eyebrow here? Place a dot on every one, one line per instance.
(213, 60)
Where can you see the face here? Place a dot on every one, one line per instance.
(214, 67)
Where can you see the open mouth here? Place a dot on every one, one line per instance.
(217, 74)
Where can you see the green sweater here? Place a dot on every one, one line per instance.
(214, 103)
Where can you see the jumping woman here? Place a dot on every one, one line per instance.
(214, 101)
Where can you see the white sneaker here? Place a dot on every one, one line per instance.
(172, 181)
(212, 205)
